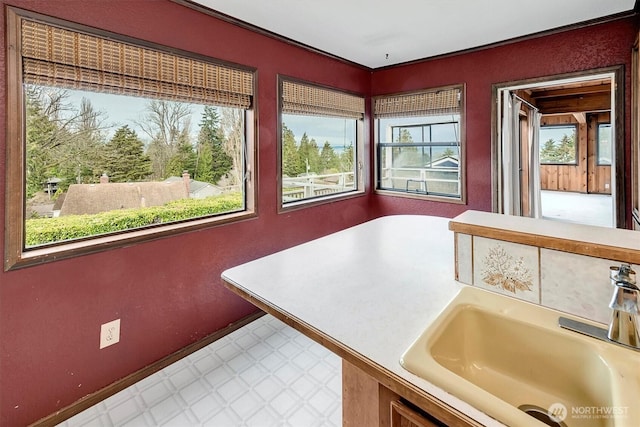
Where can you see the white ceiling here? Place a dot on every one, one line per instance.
(365, 31)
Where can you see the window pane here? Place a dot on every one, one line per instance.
(318, 156)
(604, 144)
(558, 144)
(99, 163)
(429, 165)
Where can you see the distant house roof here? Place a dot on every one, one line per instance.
(95, 198)
(198, 189)
(446, 162)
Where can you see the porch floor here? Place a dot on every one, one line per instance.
(590, 209)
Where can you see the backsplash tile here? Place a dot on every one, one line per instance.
(507, 268)
(464, 262)
(576, 284)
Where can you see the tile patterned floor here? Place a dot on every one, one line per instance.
(263, 374)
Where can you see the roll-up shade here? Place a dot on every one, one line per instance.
(428, 103)
(61, 57)
(299, 98)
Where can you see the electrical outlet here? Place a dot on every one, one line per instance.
(109, 333)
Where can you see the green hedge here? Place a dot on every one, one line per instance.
(40, 231)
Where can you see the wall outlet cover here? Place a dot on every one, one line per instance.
(109, 333)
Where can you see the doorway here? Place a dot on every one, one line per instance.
(557, 148)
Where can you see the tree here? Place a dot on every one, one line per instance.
(448, 153)
(567, 149)
(125, 160)
(547, 151)
(290, 156)
(166, 123)
(347, 159)
(213, 162)
(408, 156)
(328, 159)
(308, 155)
(562, 152)
(41, 134)
(185, 158)
(232, 129)
(80, 156)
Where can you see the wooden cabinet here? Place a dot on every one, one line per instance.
(385, 402)
(404, 416)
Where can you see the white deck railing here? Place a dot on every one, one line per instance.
(304, 187)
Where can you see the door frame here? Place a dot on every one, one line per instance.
(616, 73)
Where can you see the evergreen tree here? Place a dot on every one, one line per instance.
(125, 160)
(547, 151)
(213, 161)
(567, 149)
(41, 131)
(562, 152)
(347, 159)
(314, 156)
(328, 159)
(184, 159)
(290, 155)
(308, 155)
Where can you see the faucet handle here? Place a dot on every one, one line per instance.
(623, 275)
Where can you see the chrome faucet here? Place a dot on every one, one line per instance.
(624, 327)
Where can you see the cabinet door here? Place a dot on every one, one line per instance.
(404, 416)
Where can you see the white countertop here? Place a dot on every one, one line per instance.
(372, 288)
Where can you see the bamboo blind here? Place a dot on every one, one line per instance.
(299, 98)
(428, 103)
(61, 57)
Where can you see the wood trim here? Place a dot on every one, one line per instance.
(383, 376)
(619, 148)
(573, 246)
(100, 395)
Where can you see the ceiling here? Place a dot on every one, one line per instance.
(377, 33)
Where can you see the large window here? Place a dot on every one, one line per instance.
(110, 141)
(558, 145)
(420, 144)
(321, 143)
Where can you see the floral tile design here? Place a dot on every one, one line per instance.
(507, 268)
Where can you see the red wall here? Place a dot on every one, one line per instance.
(588, 48)
(167, 292)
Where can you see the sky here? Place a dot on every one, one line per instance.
(127, 110)
(339, 132)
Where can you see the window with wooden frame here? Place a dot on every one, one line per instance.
(112, 141)
(558, 144)
(321, 144)
(420, 144)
